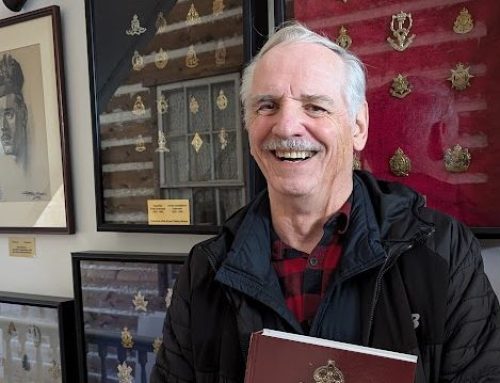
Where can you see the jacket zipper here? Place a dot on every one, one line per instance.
(388, 263)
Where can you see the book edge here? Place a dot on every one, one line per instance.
(339, 345)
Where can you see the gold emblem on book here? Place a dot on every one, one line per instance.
(400, 163)
(137, 61)
(457, 159)
(344, 40)
(400, 86)
(220, 53)
(156, 345)
(161, 23)
(400, 27)
(127, 340)
(218, 7)
(162, 143)
(161, 59)
(328, 374)
(135, 27)
(192, 17)
(221, 100)
(140, 145)
(192, 60)
(197, 142)
(460, 77)
(124, 373)
(194, 107)
(139, 109)
(464, 22)
(223, 138)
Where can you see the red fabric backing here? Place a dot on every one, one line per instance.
(433, 117)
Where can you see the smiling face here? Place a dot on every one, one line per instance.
(300, 132)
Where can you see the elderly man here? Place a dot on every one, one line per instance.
(323, 251)
(13, 112)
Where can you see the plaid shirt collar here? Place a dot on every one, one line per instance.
(337, 224)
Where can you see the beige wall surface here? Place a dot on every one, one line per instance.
(49, 273)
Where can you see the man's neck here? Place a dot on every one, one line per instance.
(299, 221)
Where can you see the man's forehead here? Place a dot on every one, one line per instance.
(299, 69)
(303, 97)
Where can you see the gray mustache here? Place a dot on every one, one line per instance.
(291, 144)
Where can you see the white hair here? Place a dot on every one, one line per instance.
(294, 32)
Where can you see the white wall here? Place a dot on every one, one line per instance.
(49, 272)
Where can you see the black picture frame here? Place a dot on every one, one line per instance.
(42, 327)
(110, 289)
(35, 180)
(130, 214)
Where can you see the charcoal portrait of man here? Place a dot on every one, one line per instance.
(24, 153)
(13, 112)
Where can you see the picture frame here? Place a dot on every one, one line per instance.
(432, 96)
(38, 339)
(168, 157)
(35, 179)
(121, 300)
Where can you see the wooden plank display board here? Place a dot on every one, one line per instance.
(434, 95)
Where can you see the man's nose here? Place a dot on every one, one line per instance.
(288, 121)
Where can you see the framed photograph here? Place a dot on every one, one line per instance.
(121, 302)
(169, 149)
(433, 95)
(37, 339)
(35, 185)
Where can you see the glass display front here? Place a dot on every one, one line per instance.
(432, 92)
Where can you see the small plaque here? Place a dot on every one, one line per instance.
(22, 247)
(168, 212)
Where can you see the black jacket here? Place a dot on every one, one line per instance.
(410, 280)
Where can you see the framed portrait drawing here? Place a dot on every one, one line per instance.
(169, 149)
(35, 187)
(37, 339)
(433, 95)
(121, 303)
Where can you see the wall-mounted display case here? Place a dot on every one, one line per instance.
(170, 153)
(37, 339)
(121, 301)
(433, 95)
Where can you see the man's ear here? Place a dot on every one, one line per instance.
(360, 132)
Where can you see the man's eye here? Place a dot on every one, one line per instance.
(266, 108)
(315, 109)
(9, 114)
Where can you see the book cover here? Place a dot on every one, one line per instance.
(276, 356)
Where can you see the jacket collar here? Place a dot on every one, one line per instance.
(383, 219)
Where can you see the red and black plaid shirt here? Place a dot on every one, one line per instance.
(304, 277)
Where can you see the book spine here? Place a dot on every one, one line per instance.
(252, 354)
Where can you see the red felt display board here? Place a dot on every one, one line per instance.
(434, 116)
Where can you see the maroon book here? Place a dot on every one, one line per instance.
(276, 356)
